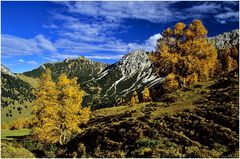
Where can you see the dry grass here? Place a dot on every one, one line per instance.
(32, 81)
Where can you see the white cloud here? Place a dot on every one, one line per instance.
(21, 61)
(116, 46)
(115, 11)
(17, 46)
(206, 7)
(87, 31)
(156, 12)
(50, 26)
(44, 43)
(151, 42)
(32, 62)
(227, 16)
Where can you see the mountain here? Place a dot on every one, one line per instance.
(16, 95)
(81, 67)
(103, 82)
(133, 72)
(106, 85)
(6, 71)
(226, 40)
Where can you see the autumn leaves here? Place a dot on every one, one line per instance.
(57, 110)
(184, 55)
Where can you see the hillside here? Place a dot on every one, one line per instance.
(197, 121)
(117, 81)
(16, 96)
(81, 67)
(32, 81)
(109, 85)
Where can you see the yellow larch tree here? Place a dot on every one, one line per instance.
(146, 95)
(134, 98)
(72, 114)
(186, 53)
(45, 110)
(57, 111)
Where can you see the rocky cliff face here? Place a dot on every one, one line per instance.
(133, 71)
(5, 70)
(226, 40)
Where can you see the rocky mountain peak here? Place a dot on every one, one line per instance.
(5, 70)
(134, 55)
(133, 71)
(134, 61)
(77, 59)
(226, 40)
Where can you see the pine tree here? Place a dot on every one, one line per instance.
(134, 98)
(146, 95)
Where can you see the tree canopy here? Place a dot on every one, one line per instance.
(146, 95)
(57, 110)
(185, 53)
(134, 98)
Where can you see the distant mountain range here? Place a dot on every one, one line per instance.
(107, 84)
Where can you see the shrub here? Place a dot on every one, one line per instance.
(8, 150)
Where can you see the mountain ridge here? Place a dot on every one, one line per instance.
(104, 82)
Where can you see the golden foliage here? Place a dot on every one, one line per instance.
(185, 52)
(134, 98)
(20, 123)
(146, 95)
(178, 30)
(58, 111)
(171, 82)
(230, 59)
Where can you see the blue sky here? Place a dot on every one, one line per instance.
(34, 33)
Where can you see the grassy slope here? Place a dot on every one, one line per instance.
(25, 112)
(14, 150)
(17, 107)
(11, 134)
(201, 121)
(32, 81)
